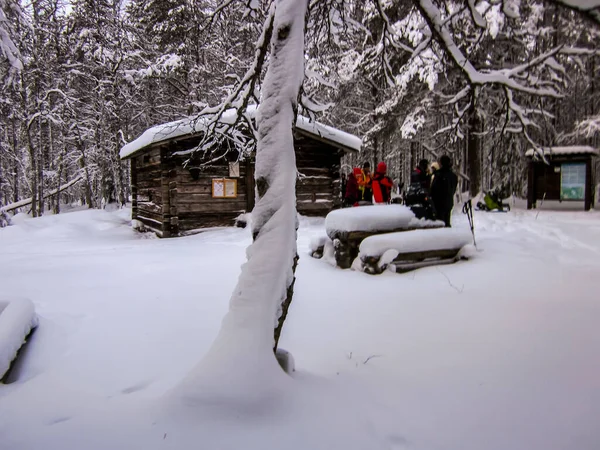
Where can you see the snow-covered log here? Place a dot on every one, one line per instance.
(411, 250)
(17, 319)
(27, 201)
(416, 241)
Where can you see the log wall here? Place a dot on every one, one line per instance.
(171, 199)
(192, 203)
(318, 185)
(147, 195)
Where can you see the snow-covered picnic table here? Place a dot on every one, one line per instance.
(347, 228)
(411, 250)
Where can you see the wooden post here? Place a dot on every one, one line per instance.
(173, 203)
(134, 189)
(531, 194)
(165, 194)
(249, 185)
(588, 183)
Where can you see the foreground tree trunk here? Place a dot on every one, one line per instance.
(240, 364)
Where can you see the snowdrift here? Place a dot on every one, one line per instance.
(17, 319)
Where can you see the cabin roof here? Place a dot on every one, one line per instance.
(564, 151)
(192, 125)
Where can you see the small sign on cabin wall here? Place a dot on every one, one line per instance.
(224, 188)
(234, 169)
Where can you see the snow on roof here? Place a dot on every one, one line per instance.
(193, 124)
(568, 150)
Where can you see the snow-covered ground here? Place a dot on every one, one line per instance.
(499, 352)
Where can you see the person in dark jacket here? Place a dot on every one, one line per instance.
(419, 176)
(352, 194)
(417, 196)
(443, 188)
(382, 184)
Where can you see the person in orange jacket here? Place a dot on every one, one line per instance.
(364, 180)
(382, 184)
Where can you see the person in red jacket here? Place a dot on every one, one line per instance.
(382, 184)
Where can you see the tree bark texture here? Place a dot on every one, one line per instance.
(473, 159)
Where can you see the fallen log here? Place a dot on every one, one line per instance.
(27, 201)
(17, 319)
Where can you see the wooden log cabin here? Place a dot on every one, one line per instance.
(172, 198)
(566, 174)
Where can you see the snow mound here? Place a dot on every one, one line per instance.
(369, 218)
(415, 241)
(425, 223)
(243, 220)
(19, 218)
(17, 319)
(317, 242)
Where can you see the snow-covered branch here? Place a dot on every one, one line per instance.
(502, 77)
(589, 127)
(217, 131)
(588, 8)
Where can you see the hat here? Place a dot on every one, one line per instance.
(445, 161)
(381, 167)
(435, 166)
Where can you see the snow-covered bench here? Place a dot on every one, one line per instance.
(411, 250)
(17, 320)
(347, 228)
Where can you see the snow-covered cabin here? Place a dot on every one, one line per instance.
(562, 173)
(171, 199)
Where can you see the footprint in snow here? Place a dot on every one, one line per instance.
(59, 420)
(135, 388)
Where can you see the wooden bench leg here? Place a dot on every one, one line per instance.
(318, 253)
(343, 254)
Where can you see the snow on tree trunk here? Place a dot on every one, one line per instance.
(241, 365)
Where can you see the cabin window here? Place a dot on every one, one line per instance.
(224, 188)
(572, 181)
(146, 159)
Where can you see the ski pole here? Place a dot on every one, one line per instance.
(468, 210)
